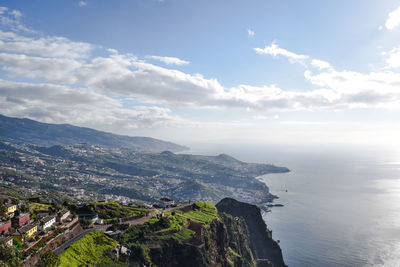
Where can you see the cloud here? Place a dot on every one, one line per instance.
(81, 106)
(170, 60)
(66, 82)
(10, 19)
(275, 50)
(320, 64)
(393, 19)
(126, 76)
(82, 3)
(393, 58)
(250, 33)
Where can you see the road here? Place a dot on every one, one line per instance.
(103, 228)
(64, 246)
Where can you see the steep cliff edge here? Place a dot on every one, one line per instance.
(223, 243)
(201, 235)
(264, 248)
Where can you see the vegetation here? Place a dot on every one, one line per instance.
(39, 207)
(108, 260)
(204, 213)
(48, 259)
(113, 210)
(87, 250)
(9, 257)
(171, 226)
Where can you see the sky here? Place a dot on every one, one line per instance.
(196, 72)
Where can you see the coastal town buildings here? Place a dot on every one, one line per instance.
(165, 202)
(47, 222)
(26, 232)
(22, 219)
(62, 215)
(4, 227)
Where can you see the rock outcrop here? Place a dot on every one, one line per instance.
(265, 249)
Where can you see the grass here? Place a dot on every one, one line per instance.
(112, 210)
(206, 213)
(108, 261)
(33, 206)
(87, 250)
(234, 253)
(171, 225)
(180, 236)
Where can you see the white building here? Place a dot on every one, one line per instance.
(47, 222)
(62, 215)
(165, 202)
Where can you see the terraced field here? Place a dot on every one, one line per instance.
(87, 251)
(206, 212)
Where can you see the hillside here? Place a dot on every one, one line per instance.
(45, 134)
(201, 236)
(89, 172)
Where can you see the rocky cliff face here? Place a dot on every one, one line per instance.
(223, 243)
(239, 237)
(265, 250)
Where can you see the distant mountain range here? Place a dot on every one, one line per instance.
(46, 134)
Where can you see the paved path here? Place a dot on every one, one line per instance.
(103, 228)
(64, 246)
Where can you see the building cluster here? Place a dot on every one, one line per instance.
(18, 226)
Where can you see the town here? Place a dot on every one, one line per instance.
(33, 227)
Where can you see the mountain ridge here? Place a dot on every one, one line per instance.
(48, 134)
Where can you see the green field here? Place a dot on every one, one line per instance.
(113, 210)
(86, 251)
(38, 207)
(206, 213)
(171, 225)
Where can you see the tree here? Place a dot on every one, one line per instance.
(9, 256)
(17, 213)
(2, 206)
(24, 208)
(48, 259)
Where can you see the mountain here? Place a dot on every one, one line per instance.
(46, 134)
(136, 175)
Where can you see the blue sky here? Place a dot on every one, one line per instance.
(206, 71)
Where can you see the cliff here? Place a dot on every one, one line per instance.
(265, 249)
(224, 240)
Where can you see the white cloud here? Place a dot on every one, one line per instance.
(250, 33)
(393, 58)
(82, 3)
(81, 106)
(275, 50)
(69, 84)
(320, 64)
(170, 60)
(393, 19)
(10, 19)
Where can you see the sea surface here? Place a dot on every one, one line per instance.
(342, 205)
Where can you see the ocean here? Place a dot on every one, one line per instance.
(341, 205)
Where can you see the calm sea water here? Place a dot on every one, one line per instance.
(342, 206)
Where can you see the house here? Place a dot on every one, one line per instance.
(4, 226)
(7, 240)
(165, 202)
(9, 211)
(22, 219)
(62, 215)
(25, 232)
(47, 221)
